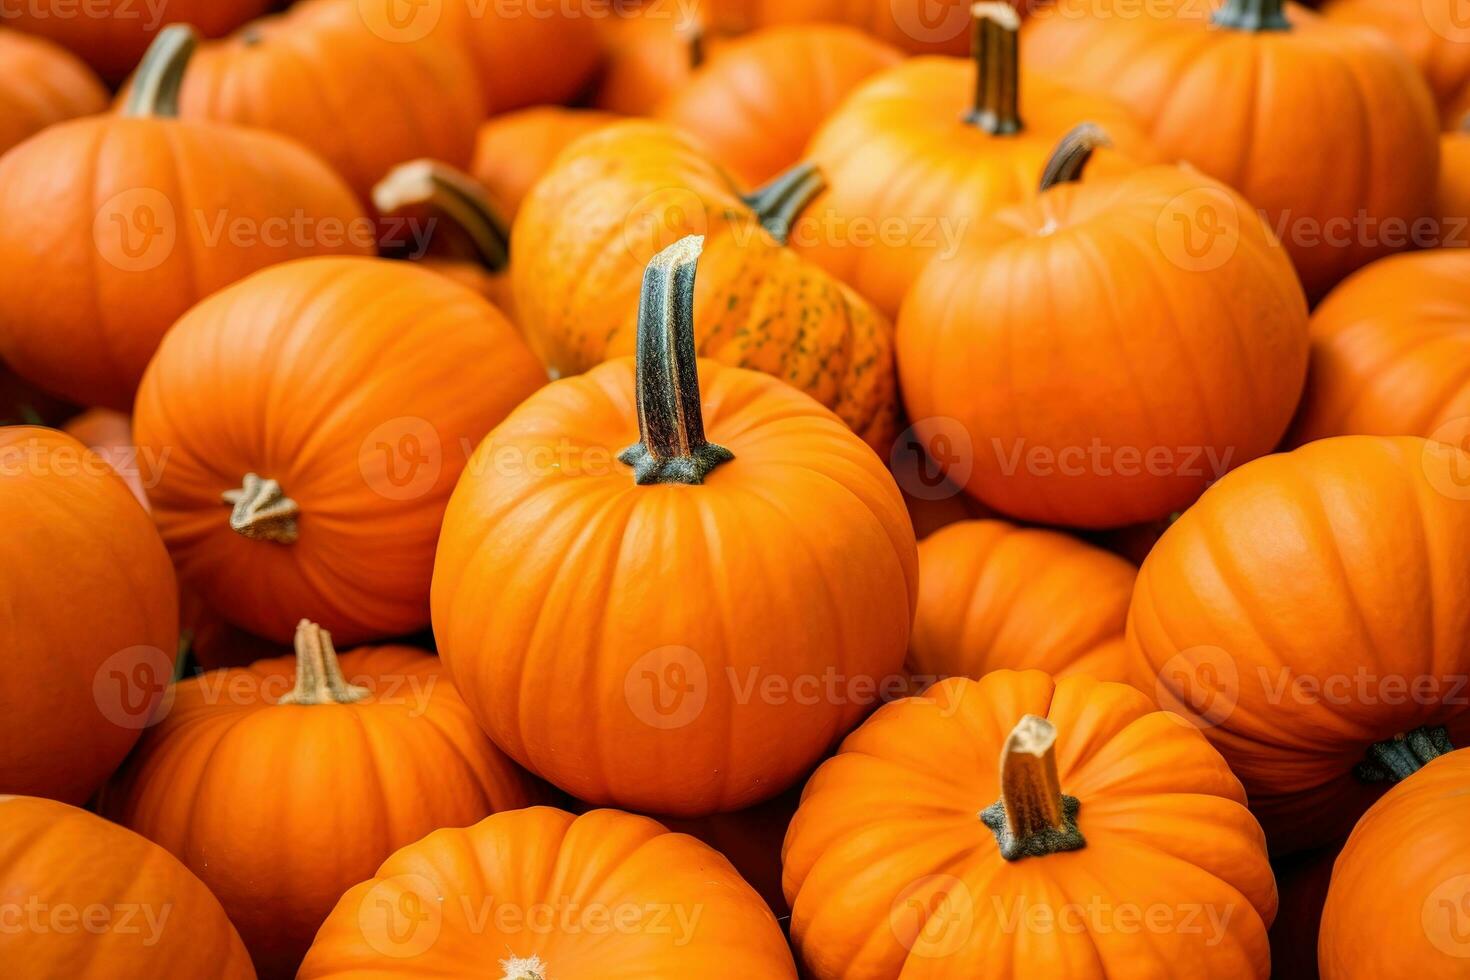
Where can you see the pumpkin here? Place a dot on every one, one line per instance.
(772, 549)
(514, 150)
(1301, 881)
(1084, 399)
(1230, 93)
(1432, 33)
(916, 26)
(993, 595)
(932, 499)
(756, 104)
(1454, 187)
(89, 900)
(118, 224)
(214, 644)
(112, 35)
(606, 894)
(920, 152)
(316, 417)
(1110, 841)
(40, 85)
(93, 632)
(751, 840)
(110, 435)
(648, 52)
(1264, 614)
(616, 197)
(285, 783)
(525, 54)
(1391, 351)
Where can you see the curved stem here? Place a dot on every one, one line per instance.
(1252, 15)
(448, 212)
(160, 75)
(530, 968)
(262, 511)
(672, 446)
(319, 677)
(1396, 759)
(1032, 818)
(994, 48)
(1070, 157)
(778, 204)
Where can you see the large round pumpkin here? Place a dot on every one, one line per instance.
(89, 900)
(1253, 96)
(549, 896)
(1018, 826)
(118, 224)
(93, 625)
(659, 536)
(1312, 613)
(316, 418)
(40, 85)
(285, 783)
(514, 150)
(1433, 33)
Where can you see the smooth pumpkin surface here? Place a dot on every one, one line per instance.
(916, 26)
(892, 872)
(41, 84)
(675, 907)
(356, 386)
(648, 51)
(91, 624)
(90, 900)
(1433, 33)
(526, 54)
(1311, 607)
(514, 150)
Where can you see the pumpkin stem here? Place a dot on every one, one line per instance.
(319, 677)
(997, 69)
(698, 40)
(454, 207)
(1396, 759)
(516, 968)
(1252, 15)
(1032, 818)
(262, 511)
(672, 447)
(778, 203)
(160, 75)
(1070, 157)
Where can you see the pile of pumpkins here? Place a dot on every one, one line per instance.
(593, 489)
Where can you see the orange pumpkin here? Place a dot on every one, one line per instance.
(1083, 399)
(1312, 614)
(213, 643)
(751, 840)
(525, 54)
(91, 641)
(285, 783)
(1230, 94)
(993, 595)
(40, 85)
(144, 215)
(649, 51)
(1454, 187)
(550, 896)
(515, 150)
(916, 26)
(110, 435)
(316, 417)
(1111, 841)
(932, 499)
(88, 900)
(1434, 35)
(920, 152)
(757, 103)
(780, 582)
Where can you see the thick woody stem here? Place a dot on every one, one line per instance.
(319, 677)
(160, 75)
(779, 203)
(995, 49)
(1032, 818)
(1252, 15)
(261, 511)
(1070, 157)
(454, 207)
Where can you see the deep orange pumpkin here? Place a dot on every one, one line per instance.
(751, 840)
(649, 50)
(41, 85)
(916, 26)
(514, 150)
(525, 54)
(1454, 187)
(110, 435)
(1434, 35)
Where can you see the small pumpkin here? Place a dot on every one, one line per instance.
(524, 54)
(1432, 33)
(89, 900)
(727, 481)
(285, 783)
(1104, 825)
(514, 150)
(144, 215)
(1265, 613)
(90, 647)
(757, 103)
(649, 51)
(316, 417)
(40, 85)
(547, 895)
(916, 26)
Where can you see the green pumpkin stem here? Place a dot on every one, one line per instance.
(1396, 759)
(1070, 158)
(261, 511)
(160, 75)
(672, 446)
(995, 49)
(779, 203)
(451, 205)
(1032, 818)
(319, 677)
(1252, 15)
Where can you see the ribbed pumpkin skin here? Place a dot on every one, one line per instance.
(358, 385)
(792, 560)
(1432, 33)
(916, 26)
(994, 596)
(1391, 351)
(42, 85)
(899, 155)
(542, 858)
(756, 104)
(93, 622)
(514, 150)
(526, 54)
(1120, 398)
(1232, 103)
(161, 920)
(1396, 906)
(890, 826)
(613, 200)
(281, 808)
(1293, 610)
